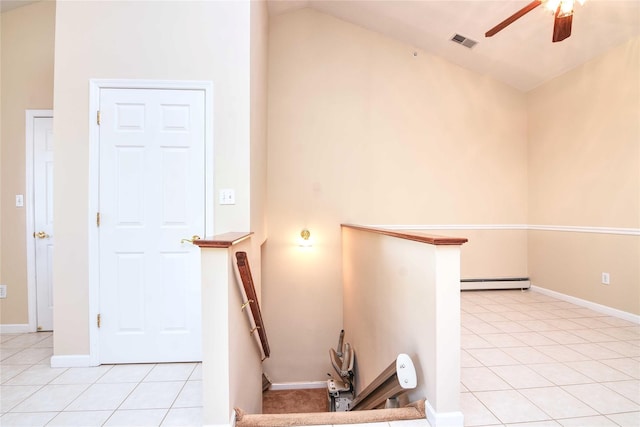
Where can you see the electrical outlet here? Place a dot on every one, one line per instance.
(606, 279)
(3, 291)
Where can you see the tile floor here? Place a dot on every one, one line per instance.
(531, 360)
(34, 394)
(527, 360)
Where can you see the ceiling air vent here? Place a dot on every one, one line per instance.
(463, 41)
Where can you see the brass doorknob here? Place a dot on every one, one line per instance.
(41, 235)
(191, 240)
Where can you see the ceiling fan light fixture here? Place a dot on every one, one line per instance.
(565, 6)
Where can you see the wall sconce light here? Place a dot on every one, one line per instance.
(305, 239)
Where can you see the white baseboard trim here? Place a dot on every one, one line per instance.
(298, 385)
(71, 361)
(443, 419)
(21, 328)
(610, 311)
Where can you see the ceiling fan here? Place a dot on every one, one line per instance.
(563, 10)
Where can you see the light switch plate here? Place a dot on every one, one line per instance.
(19, 200)
(3, 291)
(227, 196)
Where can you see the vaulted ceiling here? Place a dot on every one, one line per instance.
(522, 55)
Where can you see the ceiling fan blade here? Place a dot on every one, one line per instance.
(562, 26)
(519, 14)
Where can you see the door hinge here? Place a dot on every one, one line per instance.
(98, 117)
(99, 320)
(98, 219)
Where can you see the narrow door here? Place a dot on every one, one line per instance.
(152, 195)
(43, 219)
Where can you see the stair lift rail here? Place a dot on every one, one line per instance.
(396, 379)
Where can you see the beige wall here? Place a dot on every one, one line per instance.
(395, 290)
(361, 130)
(584, 170)
(170, 40)
(258, 169)
(26, 83)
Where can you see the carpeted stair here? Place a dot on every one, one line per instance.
(413, 411)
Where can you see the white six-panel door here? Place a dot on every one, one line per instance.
(151, 196)
(43, 219)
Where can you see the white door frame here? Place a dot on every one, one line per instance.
(30, 117)
(95, 85)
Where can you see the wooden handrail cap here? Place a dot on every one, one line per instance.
(225, 240)
(411, 235)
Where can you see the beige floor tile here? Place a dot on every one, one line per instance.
(516, 315)
(528, 355)
(136, 418)
(101, 397)
(533, 338)
(622, 334)
(26, 340)
(468, 361)
(592, 322)
(481, 327)
(520, 376)
(561, 353)
(80, 419)
(197, 373)
(594, 351)
(47, 342)
(563, 337)
(482, 379)
(6, 353)
(82, 375)
(626, 349)
(592, 335)
(564, 324)
(503, 340)
(492, 356)
(491, 317)
(29, 356)
(190, 396)
(9, 371)
(36, 375)
(627, 365)
(549, 423)
(557, 402)
(181, 417)
(473, 341)
(616, 321)
(628, 419)
(170, 372)
(126, 373)
(153, 395)
(537, 325)
(36, 419)
(475, 413)
(11, 395)
(409, 423)
(50, 398)
(629, 389)
(597, 421)
(511, 326)
(560, 374)
(597, 371)
(601, 398)
(509, 406)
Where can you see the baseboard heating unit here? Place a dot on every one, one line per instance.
(499, 283)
